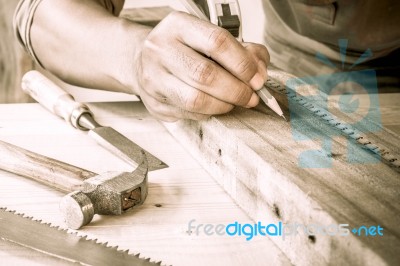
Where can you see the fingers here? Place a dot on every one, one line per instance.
(177, 93)
(261, 55)
(259, 51)
(192, 99)
(207, 76)
(218, 44)
(167, 112)
(192, 69)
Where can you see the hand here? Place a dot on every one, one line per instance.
(189, 68)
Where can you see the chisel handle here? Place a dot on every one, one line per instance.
(54, 98)
(43, 169)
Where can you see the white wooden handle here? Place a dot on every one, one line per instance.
(53, 98)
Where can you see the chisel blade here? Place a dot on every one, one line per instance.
(123, 147)
(62, 104)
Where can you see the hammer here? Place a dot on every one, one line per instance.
(110, 193)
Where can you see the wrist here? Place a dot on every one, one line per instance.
(128, 73)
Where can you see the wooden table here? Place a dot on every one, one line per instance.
(184, 191)
(256, 157)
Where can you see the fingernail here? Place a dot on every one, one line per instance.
(253, 101)
(257, 81)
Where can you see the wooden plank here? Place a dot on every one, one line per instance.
(157, 229)
(252, 154)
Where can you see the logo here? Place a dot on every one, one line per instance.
(279, 229)
(348, 98)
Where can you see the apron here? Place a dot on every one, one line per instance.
(367, 32)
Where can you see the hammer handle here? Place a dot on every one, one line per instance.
(46, 170)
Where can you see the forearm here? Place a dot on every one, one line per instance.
(183, 68)
(85, 44)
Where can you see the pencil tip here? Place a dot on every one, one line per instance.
(284, 117)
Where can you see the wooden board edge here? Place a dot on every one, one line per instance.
(268, 200)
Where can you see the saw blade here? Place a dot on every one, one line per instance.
(59, 243)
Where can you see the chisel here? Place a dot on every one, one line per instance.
(62, 104)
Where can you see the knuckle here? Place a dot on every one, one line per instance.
(254, 46)
(203, 72)
(219, 40)
(151, 50)
(259, 51)
(148, 43)
(241, 95)
(145, 77)
(246, 68)
(195, 101)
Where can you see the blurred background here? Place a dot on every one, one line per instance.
(14, 62)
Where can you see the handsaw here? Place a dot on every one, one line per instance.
(57, 242)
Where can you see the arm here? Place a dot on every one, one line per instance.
(183, 68)
(84, 43)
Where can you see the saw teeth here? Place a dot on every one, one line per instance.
(75, 234)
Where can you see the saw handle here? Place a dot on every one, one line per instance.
(54, 98)
(46, 170)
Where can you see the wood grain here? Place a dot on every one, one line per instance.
(178, 194)
(253, 155)
(43, 169)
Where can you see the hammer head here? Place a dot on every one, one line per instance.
(111, 193)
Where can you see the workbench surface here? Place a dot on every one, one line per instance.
(177, 195)
(184, 191)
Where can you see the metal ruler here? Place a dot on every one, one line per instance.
(349, 131)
